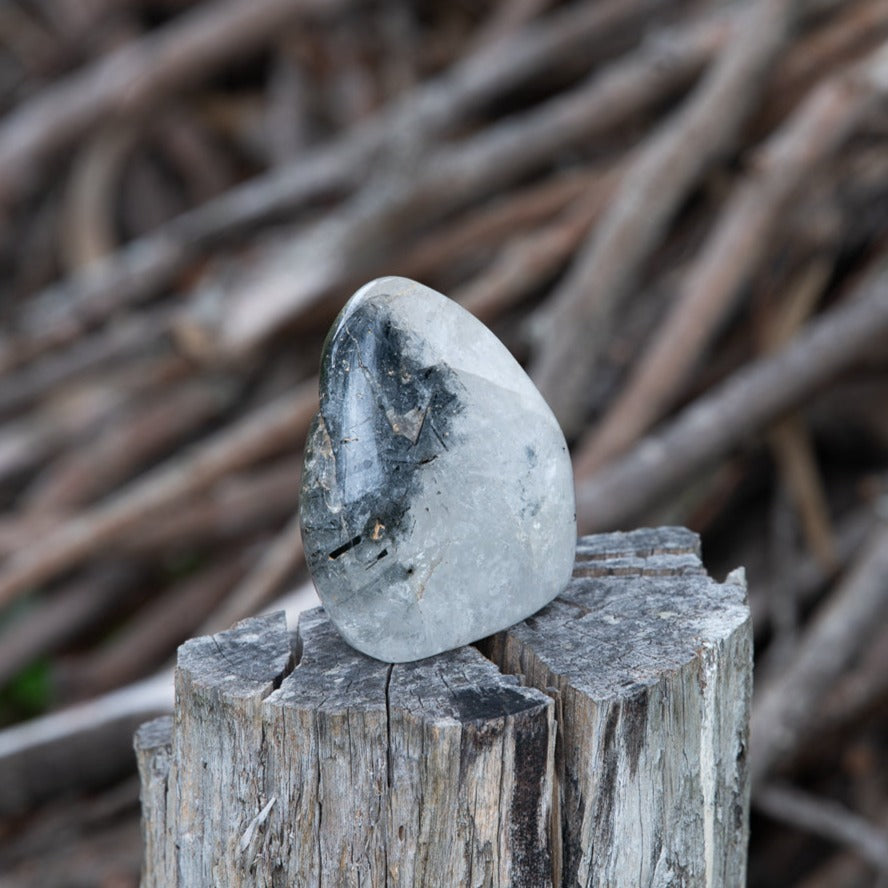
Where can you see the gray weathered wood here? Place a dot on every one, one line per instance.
(216, 774)
(600, 742)
(153, 745)
(650, 663)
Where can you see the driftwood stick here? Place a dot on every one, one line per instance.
(264, 433)
(732, 253)
(345, 768)
(578, 320)
(752, 398)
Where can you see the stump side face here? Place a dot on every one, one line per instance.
(471, 756)
(153, 748)
(653, 677)
(215, 775)
(600, 742)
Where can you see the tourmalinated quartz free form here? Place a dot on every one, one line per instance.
(437, 498)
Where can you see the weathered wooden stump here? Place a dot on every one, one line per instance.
(601, 742)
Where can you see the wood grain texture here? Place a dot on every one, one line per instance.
(600, 742)
(153, 746)
(649, 661)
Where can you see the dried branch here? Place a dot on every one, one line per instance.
(135, 77)
(280, 559)
(733, 252)
(142, 268)
(232, 317)
(261, 434)
(728, 414)
(787, 706)
(824, 818)
(574, 328)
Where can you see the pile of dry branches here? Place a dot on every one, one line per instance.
(674, 212)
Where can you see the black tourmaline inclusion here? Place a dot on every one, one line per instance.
(382, 417)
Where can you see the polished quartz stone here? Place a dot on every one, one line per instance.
(437, 500)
